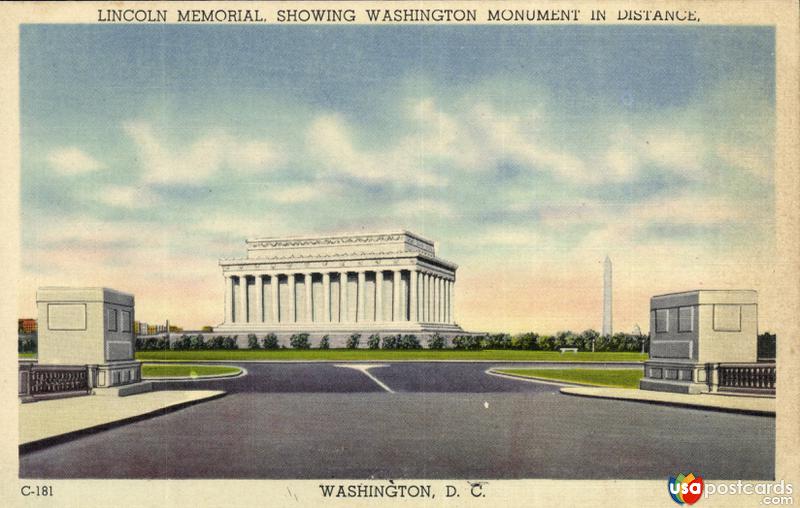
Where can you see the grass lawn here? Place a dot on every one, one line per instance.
(617, 378)
(27, 355)
(387, 355)
(190, 371)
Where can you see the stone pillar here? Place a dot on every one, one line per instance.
(432, 296)
(425, 297)
(442, 300)
(326, 297)
(343, 297)
(396, 296)
(412, 296)
(378, 295)
(241, 311)
(259, 290)
(274, 286)
(450, 301)
(290, 304)
(307, 277)
(362, 284)
(438, 293)
(228, 298)
(447, 284)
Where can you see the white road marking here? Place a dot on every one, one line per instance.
(364, 368)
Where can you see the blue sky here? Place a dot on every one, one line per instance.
(527, 152)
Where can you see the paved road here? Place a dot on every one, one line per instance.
(446, 420)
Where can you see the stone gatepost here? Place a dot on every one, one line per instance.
(691, 330)
(91, 327)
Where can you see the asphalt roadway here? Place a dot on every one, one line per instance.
(412, 420)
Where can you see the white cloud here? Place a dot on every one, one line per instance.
(73, 161)
(297, 194)
(332, 147)
(199, 160)
(123, 196)
(749, 158)
(667, 148)
(479, 137)
(424, 207)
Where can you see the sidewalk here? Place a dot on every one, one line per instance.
(48, 422)
(730, 403)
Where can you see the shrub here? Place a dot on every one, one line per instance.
(766, 345)
(299, 341)
(353, 341)
(252, 341)
(271, 341)
(390, 342)
(374, 341)
(564, 339)
(151, 343)
(408, 342)
(182, 342)
(546, 343)
(497, 341)
(467, 342)
(217, 342)
(27, 344)
(436, 341)
(325, 343)
(230, 343)
(525, 341)
(196, 342)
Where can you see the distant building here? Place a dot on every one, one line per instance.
(140, 328)
(26, 325)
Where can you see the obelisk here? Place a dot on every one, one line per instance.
(608, 328)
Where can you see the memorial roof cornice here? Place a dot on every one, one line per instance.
(356, 256)
(331, 238)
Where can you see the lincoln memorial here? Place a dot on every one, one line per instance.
(339, 284)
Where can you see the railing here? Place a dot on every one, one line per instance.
(746, 377)
(45, 381)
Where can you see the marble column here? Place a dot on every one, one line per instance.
(450, 301)
(396, 296)
(276, 309)
(241, 311)
(439, 299)
(412, 296)
(228, 299)
(378, 295)
(426, 290)
(447, 300)
(442, 300)
(432, 298)
(437, 295)
(362, 283)
(292, 296)
(326, 297)
(258, 288)
(309, 294)
(343, 297)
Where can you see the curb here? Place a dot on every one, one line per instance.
(532, 379)
(690, 405)
(32, 446)
(242, 372)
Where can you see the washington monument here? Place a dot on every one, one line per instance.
(608, 328)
